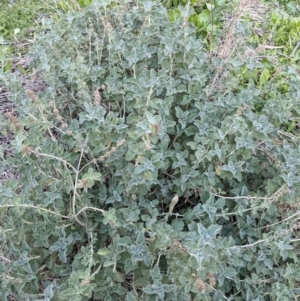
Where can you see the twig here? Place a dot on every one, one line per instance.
(75, 185)
(97, 271)
(294, 240)
(241, 197)
(54, 157)
(4, 259)
(34, 207)
(249, 245)
(295, 48)
(286, 219)
(89, 208)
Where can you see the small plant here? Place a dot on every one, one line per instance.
(138, 178)
(206, 16)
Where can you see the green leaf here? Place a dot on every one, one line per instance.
(209, 6)
(131, 297)
(7, 66)
(177, 225)
(108, 262)
(119, 277)
(264, 77)
(103, 251)
(2, 55)
(91, 175)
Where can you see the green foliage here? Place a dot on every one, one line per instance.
(71, 5)
(17, 17)
(286, 31)
(291, 7)
(4, 51)
(130, 121)
(206, 16)
(280, 31)
(277, 44)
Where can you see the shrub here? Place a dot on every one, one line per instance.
(139, 181)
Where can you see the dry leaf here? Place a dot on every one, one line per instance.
(173, 203)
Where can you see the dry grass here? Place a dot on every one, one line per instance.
(251, 8)
(231, 40)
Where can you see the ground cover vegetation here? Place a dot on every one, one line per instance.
(160, 161)
(19, 23)
(15, 18)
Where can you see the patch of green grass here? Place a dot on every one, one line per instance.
(19, 18)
